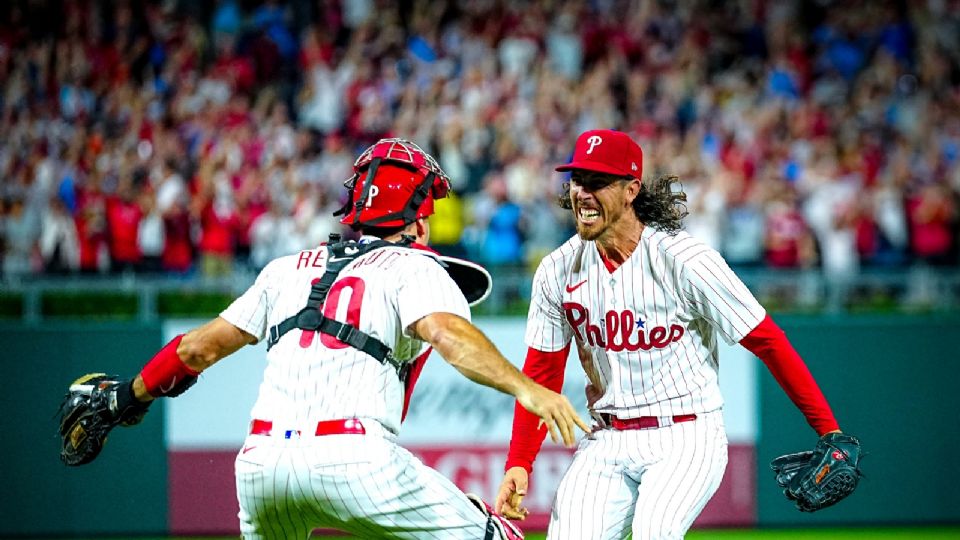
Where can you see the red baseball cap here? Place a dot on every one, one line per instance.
(606, 151)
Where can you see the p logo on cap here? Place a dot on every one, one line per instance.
(606, 151)
(593, 140)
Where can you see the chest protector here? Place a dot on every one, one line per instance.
(310, 318)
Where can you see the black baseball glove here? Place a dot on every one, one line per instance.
(94, 405)
(822, 477)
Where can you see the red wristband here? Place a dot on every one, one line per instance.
(165, 372)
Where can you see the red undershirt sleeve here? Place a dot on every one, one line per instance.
(769, 343)
(415, 369)
(546, 368)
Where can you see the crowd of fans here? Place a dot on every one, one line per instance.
(198, 137)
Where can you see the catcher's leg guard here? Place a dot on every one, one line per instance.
(498, 527)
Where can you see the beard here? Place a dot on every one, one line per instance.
(588, 233)
(608, 217)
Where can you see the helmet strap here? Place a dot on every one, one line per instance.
(367, 184)
(409, 212)
(346, 206)
(416, 200)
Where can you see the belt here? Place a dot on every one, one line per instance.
(346, 426)
(642, 422)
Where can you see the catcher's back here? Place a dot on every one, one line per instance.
(311, 376)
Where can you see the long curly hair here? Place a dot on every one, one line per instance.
(657, 204)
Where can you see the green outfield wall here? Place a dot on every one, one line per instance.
(125, 489)
(892, 381)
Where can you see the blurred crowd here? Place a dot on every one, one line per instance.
(202, 137)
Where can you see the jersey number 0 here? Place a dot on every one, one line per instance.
(330, 308)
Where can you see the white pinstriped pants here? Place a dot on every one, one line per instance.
(651, 482)
(365, 485)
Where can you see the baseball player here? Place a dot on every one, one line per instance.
(343, 323)
(645, 304)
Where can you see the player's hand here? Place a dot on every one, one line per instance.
(555, 411)
(593, 394)
(512, 490)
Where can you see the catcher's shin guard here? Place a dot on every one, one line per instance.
(498, 527)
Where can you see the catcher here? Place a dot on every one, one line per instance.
(347, 326)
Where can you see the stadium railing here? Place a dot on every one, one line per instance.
(147, 298)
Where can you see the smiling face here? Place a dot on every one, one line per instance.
(602, 204)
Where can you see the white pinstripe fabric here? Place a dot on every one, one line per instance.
(651, 483)
(304, 380)
(671, 287)
(647, 336)
(363, 484)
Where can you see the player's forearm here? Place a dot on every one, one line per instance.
(526, 439)
(176, 366)
(202, 347)
(768, 342)
(545, 368)
(478, 360)
(468, 350)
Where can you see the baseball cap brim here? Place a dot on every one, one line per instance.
(591, 166)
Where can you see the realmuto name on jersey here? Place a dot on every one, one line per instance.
(619, 330)
(317, 258)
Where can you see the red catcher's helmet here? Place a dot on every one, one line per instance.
(394, 183)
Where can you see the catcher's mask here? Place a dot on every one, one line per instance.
(394, 183)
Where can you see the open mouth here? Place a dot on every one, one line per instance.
(588, 216)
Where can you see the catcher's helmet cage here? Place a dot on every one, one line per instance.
(394, 183)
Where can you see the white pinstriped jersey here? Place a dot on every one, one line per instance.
(646, 331)
(311, 377)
